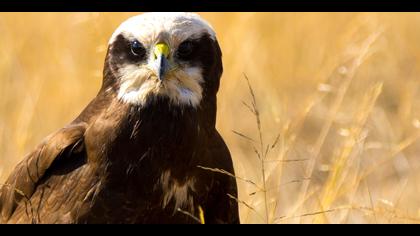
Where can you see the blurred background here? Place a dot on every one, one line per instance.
(335, 135)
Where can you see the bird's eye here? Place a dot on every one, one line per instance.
(137, 49)
(185, 49)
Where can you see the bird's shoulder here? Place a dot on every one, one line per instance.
(67, 145)
(24, 179)
(221, 206)
(218, 152)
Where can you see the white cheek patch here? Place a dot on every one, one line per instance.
(184, 86)
(139, 84)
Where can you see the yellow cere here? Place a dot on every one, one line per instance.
(161, 49)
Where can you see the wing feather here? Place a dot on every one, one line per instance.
(23, 181)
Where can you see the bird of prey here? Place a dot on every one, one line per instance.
(144, 148)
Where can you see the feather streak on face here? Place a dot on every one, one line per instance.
(182, 87)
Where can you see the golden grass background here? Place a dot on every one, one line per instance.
(337, 95)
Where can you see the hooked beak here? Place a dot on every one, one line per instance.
(161, 53)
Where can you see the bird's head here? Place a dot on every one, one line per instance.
(172, 55)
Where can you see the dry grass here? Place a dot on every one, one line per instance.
(328, 135)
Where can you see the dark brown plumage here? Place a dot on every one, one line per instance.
(130, 163)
